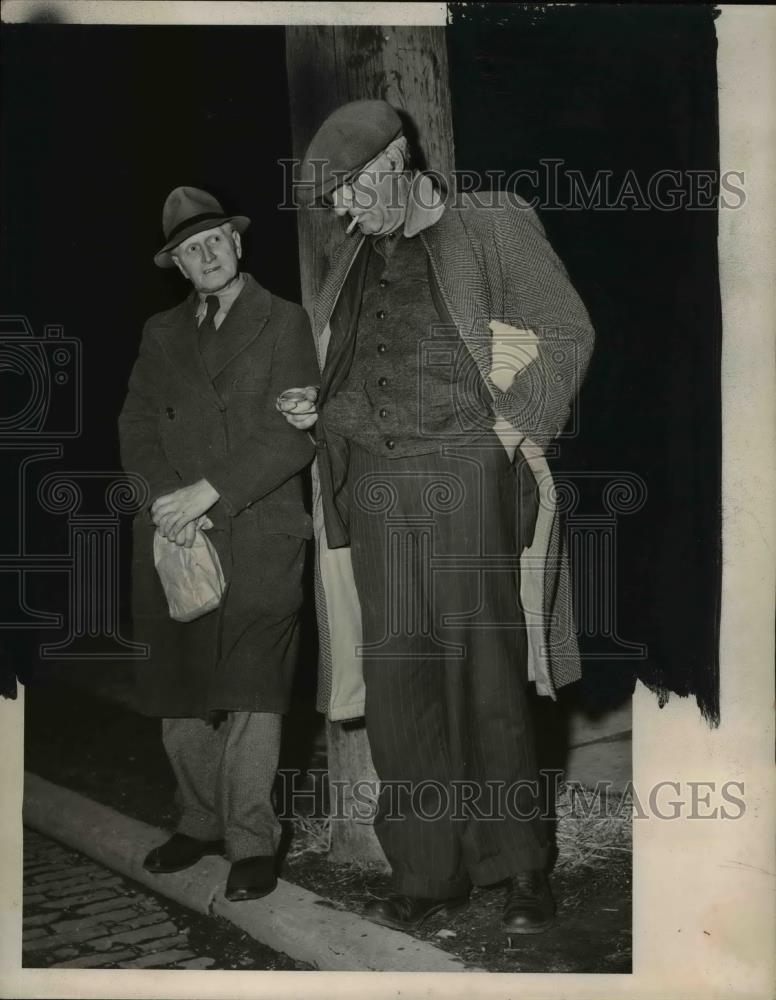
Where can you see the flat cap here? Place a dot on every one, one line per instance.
(347, 140)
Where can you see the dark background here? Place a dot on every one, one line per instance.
(99, 124)
(621, 88)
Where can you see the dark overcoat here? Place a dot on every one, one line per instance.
(179, 425)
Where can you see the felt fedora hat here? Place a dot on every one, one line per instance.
(188, 211)
(347, 140)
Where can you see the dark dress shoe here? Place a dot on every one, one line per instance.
(408, 913)
(251, 878)
(529, 906)
(179, 852)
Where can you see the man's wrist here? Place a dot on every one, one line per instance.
(207, 485)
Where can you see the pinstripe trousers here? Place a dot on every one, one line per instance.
(224, 780)
(433, 543)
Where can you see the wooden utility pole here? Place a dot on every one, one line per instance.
(329, 66)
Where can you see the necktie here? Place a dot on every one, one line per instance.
(207, 328)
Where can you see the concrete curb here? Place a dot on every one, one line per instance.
(293, 920)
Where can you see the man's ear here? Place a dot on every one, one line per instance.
(397, 153)
(178, 264)
(396, 159)
(237, 240)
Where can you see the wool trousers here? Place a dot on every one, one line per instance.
(224, 779)
(433, 544)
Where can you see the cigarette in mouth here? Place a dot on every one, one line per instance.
(352, 225)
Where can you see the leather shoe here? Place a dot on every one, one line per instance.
(251, 878)
(529, 907)
(410, 912)
(179, 852)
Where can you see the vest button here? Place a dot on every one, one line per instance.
(382, 348)
(382, 381)
(380, 314)
(383, 413)
(383, 282)
(170, 413)
(390, 444)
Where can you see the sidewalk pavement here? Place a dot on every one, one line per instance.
(291, 920)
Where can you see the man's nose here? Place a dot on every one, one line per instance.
(207, 254)
(343, 199)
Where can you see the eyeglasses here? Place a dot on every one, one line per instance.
(327, 199)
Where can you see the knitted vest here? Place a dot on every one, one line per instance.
(412, 385)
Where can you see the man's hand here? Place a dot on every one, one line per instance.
(187, 536)
(298, 406)
(172, 512)
(512, 350)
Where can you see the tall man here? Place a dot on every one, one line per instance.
(200, 425)
(454, 345)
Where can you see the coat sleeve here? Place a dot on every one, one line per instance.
(274, 451)
(539, 297)
(139, 437)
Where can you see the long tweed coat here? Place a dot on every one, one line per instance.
(490, 260)
(177, 426)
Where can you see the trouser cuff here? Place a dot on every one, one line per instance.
(503, 866)
(200, 825)
(240, 846)
(411, 884)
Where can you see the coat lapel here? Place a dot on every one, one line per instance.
(326, 299)
(179, 337)
(243, 324)
(342, 323)
(452, 253)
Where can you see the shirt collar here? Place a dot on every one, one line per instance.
(424, 208)
(424, 205)
(226, 298)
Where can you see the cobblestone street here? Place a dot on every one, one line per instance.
(78, 914)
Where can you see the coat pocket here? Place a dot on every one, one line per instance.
(250, 383)
(283, 519)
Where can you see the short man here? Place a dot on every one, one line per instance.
(200, 425)
(454, 345)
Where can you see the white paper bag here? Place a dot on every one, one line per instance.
(192, 579)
